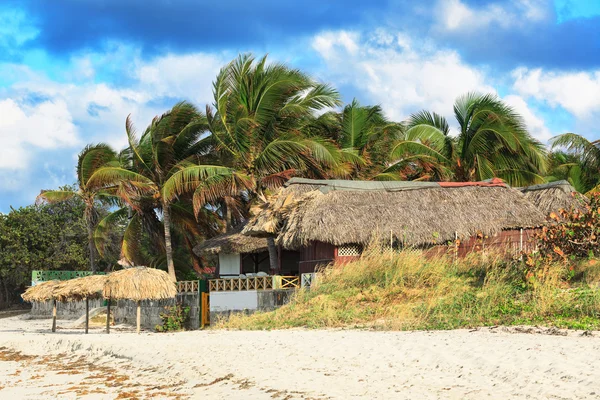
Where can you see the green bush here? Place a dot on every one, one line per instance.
(176, 318)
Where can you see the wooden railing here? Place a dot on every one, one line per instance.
(238, 284)
(289, 282)
(188, 287)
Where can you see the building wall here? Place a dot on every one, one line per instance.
(315, 255)
(223, 304)
(67, 310)
(229, 263)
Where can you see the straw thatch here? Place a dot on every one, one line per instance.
(232, 242)
(554, 196)
(87, 287)
(139, 283)
(303, 212)
(41, 292)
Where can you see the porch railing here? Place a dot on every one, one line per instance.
(238, 284)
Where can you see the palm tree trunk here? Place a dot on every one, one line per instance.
(273, 256)
(91, 247)
(168, 247)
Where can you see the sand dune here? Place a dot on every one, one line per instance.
(327, 364)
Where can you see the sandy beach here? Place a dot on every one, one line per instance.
(495, 363)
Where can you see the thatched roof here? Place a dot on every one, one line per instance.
(418, 214)
(80, 288)
(554, 196)
(41, 292)
(139, 283)
(232, 242)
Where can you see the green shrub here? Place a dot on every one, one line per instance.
(176, 318)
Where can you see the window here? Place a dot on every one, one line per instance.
(349, 250)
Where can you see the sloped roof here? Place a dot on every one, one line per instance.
(414, 213)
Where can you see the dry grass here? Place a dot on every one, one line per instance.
(140, 283)
(405, 291)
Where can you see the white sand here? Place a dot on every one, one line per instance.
(338, 364)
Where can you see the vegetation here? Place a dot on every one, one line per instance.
(191, 174)
(582, 161)
(90, 159)
(44, 237)
(176, 318)
(576, 234)
(407, 290)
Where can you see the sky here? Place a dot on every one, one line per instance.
(72, 70)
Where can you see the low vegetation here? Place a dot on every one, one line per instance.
(406, 290)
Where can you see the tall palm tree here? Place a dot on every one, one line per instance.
(171, 143)
(91, 158)
(364, 136)
(260, 113)
(588, 154)
(492, 141)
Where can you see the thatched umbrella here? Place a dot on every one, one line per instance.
(84, 288)
(139, 283)
(43, 292)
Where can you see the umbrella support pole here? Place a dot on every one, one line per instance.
(87, 315)
(108, 316)
(139, 315)
(54, 315)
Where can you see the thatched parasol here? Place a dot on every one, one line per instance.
(139, 283)
(84, 288)
(43, 292)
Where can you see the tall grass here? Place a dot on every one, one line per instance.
(407, 290)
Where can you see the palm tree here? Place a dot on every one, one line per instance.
(171, 143)
(492, 141)
(587, 154)
(364, 136)
(91, 158)
(260, 113)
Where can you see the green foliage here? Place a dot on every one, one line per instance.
(581, 162)
(47, 237)
(176, 318)
(492, 141)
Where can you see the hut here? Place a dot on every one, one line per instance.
(240, 254)
(554, 196)
(329, 220)
(43, 292)
(137, 284)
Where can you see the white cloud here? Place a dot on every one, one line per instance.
(68, 115)
(405, 76)
(454, 15)
(47, 125)
(401, 77)
(576, 92)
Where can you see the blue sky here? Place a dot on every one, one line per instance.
(72, 70)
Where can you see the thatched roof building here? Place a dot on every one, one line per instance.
(554, 196)
(139, 283)
(232, 242)
(41, 292)
(412, 213)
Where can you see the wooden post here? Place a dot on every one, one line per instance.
(54, 315)
(87, 315)
(139, 315)
(108, 316)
